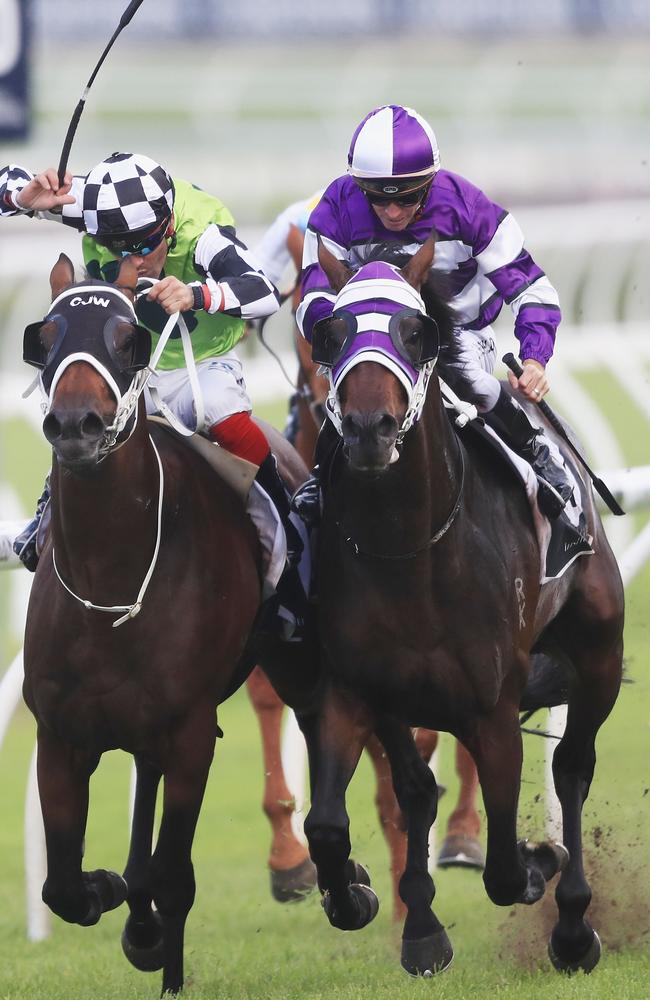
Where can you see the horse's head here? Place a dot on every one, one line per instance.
(88, 349)
(380, 347)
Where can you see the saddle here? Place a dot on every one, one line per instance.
(561, 540)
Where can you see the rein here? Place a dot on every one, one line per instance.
(427, 545)
(131, 609)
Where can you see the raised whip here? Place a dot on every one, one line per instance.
(74, 121)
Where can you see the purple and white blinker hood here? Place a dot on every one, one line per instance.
(374, 303)
(375, 294)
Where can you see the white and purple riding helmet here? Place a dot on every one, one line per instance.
(393, 152)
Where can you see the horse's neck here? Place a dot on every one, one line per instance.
(110, 515)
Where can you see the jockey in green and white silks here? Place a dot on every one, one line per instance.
(128, 205)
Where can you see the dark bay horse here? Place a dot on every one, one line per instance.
(430, 608)
(140, 617)
(292, 874)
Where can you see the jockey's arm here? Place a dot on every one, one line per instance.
(317, 296)
(531, 296)
(235, 281)
(22, 193)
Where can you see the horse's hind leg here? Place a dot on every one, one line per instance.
(63, 776)
(335, 740)
(142, 935)
(292, 872)
(596, 652)
(425, 946)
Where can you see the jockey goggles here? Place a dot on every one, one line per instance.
(126, 246)
(414, 336)
(390, 191)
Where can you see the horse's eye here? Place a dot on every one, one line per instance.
(124, 338)
(410, 332)
(48, 334)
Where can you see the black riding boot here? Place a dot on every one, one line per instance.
(25, 543)
(290, 593)
(511, 421)
(307, 501)
(269, 479)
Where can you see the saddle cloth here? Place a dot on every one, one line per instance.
(560, 541)
(240, 476)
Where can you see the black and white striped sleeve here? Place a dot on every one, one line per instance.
(237, 284)
(12, 180)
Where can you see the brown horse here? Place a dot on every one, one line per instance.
(138, 518)
(430, 608)
(292, 873)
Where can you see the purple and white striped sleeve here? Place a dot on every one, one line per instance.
(498, 248)
(317, 297)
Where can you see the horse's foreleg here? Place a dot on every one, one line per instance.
(391, 819)
(142, 935)
(172, 874)
(425, 946)
(63, 776)
(514, 873)
(335, 741)
(292, 873)
(574, 944)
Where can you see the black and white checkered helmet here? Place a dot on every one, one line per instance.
(126, 193)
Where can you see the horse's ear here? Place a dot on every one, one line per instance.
(61, 275)
(127, 278)
(338, 273)
(417, 268)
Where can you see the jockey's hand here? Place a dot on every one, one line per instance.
(43, 193)
(533, 382)
(172, 295)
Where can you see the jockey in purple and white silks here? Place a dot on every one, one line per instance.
(393, 196)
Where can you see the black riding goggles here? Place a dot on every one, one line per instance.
(101, 329)
(126, 246)
(389, 192)
(413, 334)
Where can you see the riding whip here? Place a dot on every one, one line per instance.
(74, 121)
(601, 489)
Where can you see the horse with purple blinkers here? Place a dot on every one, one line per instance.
(432, 613)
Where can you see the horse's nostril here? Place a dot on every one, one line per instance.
(92, 426)
(387, 426)
(51, 428)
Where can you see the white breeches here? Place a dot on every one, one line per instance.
(222, 385)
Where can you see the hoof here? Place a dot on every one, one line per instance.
(428, 955)
(143, 943)
(356, 874)
(363, 908)
(106, 891)
(293, 884)
(549, 857)
(586, 963)
(459, 851)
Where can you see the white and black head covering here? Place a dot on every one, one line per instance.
(126, 193)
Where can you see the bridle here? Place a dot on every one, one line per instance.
(126, 409)
(440, 533)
